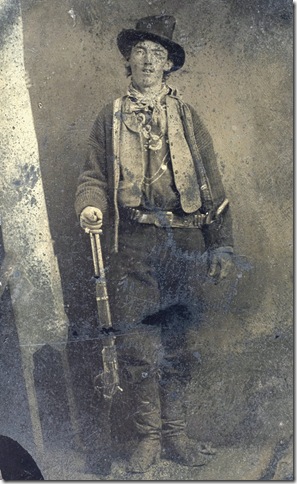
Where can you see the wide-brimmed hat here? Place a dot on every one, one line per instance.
(159, 29)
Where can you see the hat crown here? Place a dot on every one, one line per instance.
(162, 25)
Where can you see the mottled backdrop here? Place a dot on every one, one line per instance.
(238, 76)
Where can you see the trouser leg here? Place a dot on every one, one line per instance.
(176, 369)
(176, 445)
(139, 354)
(173, 408)
(135, 301)
(147, 418)
(139, 344)
(179, 363)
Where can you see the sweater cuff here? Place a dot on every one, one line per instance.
(87, 198)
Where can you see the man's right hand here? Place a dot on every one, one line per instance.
(91, 219)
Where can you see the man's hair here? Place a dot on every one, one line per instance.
(166, 74)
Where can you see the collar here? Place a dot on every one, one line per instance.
(148, 100)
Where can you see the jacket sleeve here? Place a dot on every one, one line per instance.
(219, 233)
(92, 183)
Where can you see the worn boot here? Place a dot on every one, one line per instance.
(147, 420)
(176, 445)
(180, 448)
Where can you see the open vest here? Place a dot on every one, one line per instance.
(189, 174)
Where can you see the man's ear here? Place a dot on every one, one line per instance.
(168, 66)
(127, 67)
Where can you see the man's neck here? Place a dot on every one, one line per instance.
(148, 91)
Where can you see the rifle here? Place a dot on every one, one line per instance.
(107, 381)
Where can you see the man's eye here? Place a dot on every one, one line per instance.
(160, 55)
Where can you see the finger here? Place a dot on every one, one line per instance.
(214, 268)
(89, 223)
(95, 216)
(91, 216)
(93, 231)
(91, 213)
(91, 226)
(225, 269)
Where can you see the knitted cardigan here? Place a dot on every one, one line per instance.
(97, 182)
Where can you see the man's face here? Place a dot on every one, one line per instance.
(148, 61)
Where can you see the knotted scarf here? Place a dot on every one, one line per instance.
(146, 113)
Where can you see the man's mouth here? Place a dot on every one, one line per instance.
(148, 71)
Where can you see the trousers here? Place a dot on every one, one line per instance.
(156, 294)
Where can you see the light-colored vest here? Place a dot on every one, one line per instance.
(129, 158)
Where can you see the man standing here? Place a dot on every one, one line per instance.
(152, 181)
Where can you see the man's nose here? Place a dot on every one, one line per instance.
(148, 58)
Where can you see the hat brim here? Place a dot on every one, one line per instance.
(127, 38)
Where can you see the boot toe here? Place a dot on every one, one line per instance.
(190, 459)
(187, 452)
(146, 454)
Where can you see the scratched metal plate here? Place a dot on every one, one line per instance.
(59, 66)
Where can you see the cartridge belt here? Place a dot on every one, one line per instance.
(164, 219)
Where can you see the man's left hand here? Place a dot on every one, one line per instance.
(220, 263)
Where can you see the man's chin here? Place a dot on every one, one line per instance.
(147, 82)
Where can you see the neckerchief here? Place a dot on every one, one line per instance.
(147, 113)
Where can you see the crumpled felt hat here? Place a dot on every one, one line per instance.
(157, 28)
